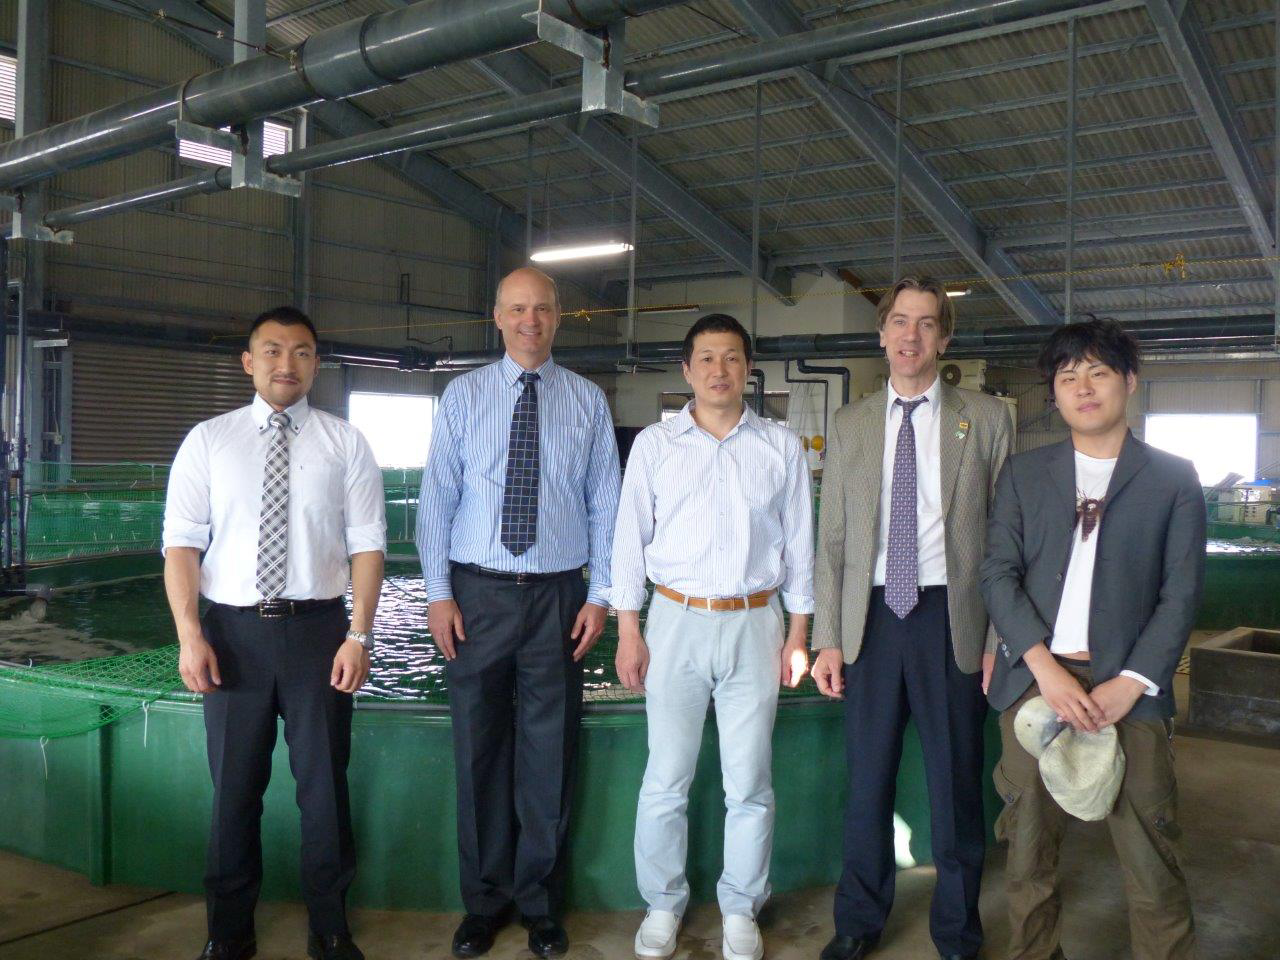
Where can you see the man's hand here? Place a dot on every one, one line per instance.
(795, 662)
(350, 667)
(1062, 691)
(198, 664)
(828, 672)
(1116, 697)
(587, 628)
(988, 666)
(444, 620)
(632, 659)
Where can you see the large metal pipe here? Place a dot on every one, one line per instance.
(842, 372)
(504, 117)
(211, 181)
(341, 61)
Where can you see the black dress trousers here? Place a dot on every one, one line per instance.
(515, 694)
(907, 668)
(277, 667)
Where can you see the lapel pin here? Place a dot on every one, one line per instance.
(963, 428)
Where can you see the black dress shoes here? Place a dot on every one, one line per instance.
(229, 949)
(546, 937)
(474, 936)
(957, 956)
(332, 947)
(848, 948)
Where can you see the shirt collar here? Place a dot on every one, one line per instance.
(684, 421)
(933, 395)
(261, 411)
(511, 370)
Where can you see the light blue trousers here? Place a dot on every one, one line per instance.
(696, 656)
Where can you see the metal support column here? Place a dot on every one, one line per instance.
(755, 232)
(632, 253)
(251, 38)
(897, 177)
(31, 116)
(302, 220)
(1068, 304)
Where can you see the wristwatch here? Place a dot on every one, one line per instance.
(364, 639)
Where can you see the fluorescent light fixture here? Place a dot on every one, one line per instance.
(958, 293)
(554, 254)
(673, 308)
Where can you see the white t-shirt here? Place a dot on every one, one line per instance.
(1071, 628)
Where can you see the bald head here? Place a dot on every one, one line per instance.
(527, 311)
(527, 274)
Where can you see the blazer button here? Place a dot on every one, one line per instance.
(1059, 578)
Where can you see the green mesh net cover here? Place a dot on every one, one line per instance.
(59, 700)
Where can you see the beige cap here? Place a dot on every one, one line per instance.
(1081, 771)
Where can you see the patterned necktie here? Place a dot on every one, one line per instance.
(520, 495)
(273, 527)
(902, 569)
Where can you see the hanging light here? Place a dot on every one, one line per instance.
(671, 308)
(958, 293)
(578, 252)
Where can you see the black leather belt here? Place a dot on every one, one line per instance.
(278, 609)
(480, 571)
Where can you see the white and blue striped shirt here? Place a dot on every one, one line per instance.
(715, 518)
(460, 507)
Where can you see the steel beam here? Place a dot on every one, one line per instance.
(1188, 49)
(515, 73)
(848, 104)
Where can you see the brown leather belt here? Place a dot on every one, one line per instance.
(717, 604)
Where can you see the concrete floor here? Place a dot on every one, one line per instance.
(1230, 812)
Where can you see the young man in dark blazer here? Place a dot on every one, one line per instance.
(1095, 562)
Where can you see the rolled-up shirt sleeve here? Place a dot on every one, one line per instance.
(797, 527)
(365, 513)
(602, 482)
(186, 505)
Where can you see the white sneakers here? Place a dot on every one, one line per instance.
(656, 938)
(742, 940)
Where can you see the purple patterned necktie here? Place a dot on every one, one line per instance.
(902, 571)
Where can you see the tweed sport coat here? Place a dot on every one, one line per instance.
(974, 438)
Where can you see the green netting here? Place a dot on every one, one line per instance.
(98, 509)
(49, 701)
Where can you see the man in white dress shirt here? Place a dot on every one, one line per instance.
(286, 504)
(716, 511)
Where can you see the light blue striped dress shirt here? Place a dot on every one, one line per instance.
(715, 518)
(460, 507)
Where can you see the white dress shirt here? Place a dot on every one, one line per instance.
(930, 532)
(214, 502)
(1071, 626)
(715, 518)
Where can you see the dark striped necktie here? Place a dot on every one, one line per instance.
(520, 495)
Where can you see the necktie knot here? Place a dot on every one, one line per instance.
(281, 421)
(909, 406)
(529, 377)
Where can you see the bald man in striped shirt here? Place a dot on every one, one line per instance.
(716, 511)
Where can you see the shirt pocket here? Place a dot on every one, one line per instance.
(316, 486)
(564, 454)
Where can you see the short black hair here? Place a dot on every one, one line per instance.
(716, 323)
(289, 316)
(1102, 340)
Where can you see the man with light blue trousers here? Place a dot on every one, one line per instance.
(716, 511)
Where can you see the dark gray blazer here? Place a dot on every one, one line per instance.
(1146, 579)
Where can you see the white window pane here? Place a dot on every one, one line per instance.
(276, 138)
(1217, 443)
(397, 426)
(8, 88)
(200, 153)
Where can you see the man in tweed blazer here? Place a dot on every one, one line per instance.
(899, 623)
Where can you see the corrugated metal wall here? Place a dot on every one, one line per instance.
(137, 403)
(1164, 387)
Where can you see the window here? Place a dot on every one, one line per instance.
(397, 426)
(8, 88)
(1217, 443)
(276, 138)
